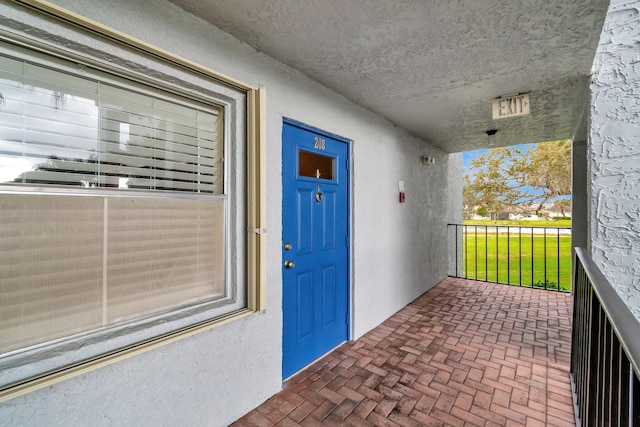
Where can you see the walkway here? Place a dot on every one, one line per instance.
(465, 353)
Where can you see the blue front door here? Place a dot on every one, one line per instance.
(315, 244)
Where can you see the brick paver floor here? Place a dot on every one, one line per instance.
(464, 353)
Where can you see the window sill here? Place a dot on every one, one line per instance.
(48, 379)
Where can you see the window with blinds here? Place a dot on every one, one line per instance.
(60, 129)
(112, 205)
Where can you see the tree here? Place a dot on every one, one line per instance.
(545, 172)
(489, 187)
(469, 199)
(562, 205)
(482, 211)
(519, 179)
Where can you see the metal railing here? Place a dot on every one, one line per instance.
(537, 257)
(605, 351)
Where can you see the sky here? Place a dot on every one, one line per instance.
(467, 156)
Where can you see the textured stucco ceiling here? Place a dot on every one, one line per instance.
(433, 66)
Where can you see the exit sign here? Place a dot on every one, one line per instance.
(510, 106)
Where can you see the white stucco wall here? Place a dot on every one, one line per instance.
(399, 250)
(614, 152)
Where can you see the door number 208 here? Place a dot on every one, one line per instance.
(318, 143)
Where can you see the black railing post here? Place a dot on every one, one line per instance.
(497, 256)
(486, 253)
(545, 258)
(475, 235)
(626, 372)
(558, 243)
(456, 255)
(592, 378)
(634, 400)
(533, 271)
(615, 379)
(508, 254)
(465, 239)
(520, 255)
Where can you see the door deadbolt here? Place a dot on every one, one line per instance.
(289, 264)
(287, 246)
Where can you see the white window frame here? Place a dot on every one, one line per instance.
(51, 30)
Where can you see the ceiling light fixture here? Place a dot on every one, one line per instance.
(427, 160)
(491, 137)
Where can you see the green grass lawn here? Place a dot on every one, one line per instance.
(525, 260)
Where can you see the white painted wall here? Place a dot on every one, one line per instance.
(399, 250)
(614, 152)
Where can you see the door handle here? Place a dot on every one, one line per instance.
(289, 264)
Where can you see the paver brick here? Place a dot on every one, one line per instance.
(426, 403)
(322, 411)
(445, 402)
(407, 391)
(301, 412)
(381, 421)
(351, 394)
(426, 420)
(371, 394)
(365, 407)
(508, 413)
(520, 397)
(501, 398)
(287, 422)
(385, 406)
(449, 420)
(403, 420)
(356, 421)
(405, 405)
(311, 422)
(467, 417)
(461, 387)
(463, 401)
(256, 419)
(528, 412)
(344, 409)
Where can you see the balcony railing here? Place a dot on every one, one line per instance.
(605, 355)
(538, 257)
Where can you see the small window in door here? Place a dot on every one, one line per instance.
(315, 165)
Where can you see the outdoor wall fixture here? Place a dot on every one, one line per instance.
(428, 161)
(491, 137)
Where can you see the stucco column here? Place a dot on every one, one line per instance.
(579, 217)
(613, 153)
(579, 200)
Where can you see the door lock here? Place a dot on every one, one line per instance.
(289, 264)
(287, 246)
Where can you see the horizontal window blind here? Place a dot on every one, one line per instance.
(69, 130)
(51, 252)
(163, 253)
(71, 263)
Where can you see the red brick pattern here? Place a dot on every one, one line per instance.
(463, 354)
